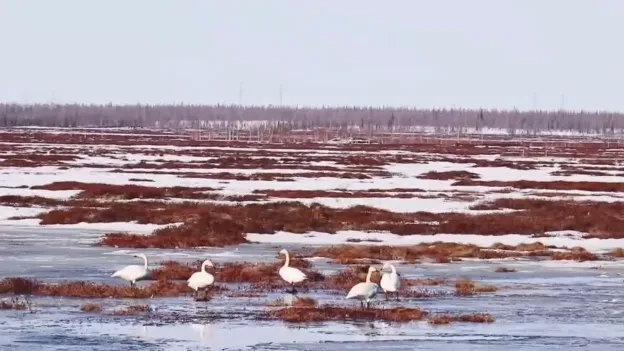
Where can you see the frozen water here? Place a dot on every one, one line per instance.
(541, 307)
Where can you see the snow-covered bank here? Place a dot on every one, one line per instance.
(341, 237)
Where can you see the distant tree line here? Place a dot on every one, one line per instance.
(290, 118)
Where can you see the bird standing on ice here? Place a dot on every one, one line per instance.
(201, 279)
(291, 275)
(134, 273)
(390, 280)
(364, 291)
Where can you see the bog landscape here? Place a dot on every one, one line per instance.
(506, 236)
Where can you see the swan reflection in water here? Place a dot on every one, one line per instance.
(204, 330)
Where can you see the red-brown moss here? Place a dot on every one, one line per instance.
(449, 175)
(472, 318)
(330, 313)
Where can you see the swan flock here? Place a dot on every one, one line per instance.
(364, 291)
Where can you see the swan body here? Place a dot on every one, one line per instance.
(201, 279)
(390, 280)
(364, 291)
(289, 274)
(134, 273)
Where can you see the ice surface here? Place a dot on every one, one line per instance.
(538, 308)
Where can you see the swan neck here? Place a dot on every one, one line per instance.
(203, 267)
(368, 276)
(287, 261)
(145, 261)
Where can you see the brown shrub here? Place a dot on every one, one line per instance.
(425, 281)
(449, 175)
(617, 252)
(473, 318)
(330, 313)
(91, 308)
(172, 270)
(305, 301)
(28, 201)
(80, 289)
(546, 185)
(127, 192)
(18, 286)
(308, 194)
(575, 254)
(467, 287)
(262, 273)
(505, 270)
(440, 251)
(218, 225)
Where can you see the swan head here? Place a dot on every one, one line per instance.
(387, 268)
(139, 255)
(208, 263)
(371, 269)
(283, 252)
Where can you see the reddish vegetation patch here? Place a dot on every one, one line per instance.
(425, 281)
(308, 194)
(449, 175)
(35, 160)
(571, 172)
(261, 274)
(546, 185)
(91, 308)
(330, 313)
(28, 201)
(467, 287)
(161, 288)
(127, 192)
(439, 251)
(472, 318)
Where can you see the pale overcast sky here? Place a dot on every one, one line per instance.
(476, 53)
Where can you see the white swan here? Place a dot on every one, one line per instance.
(134, 273)
(290, 275)
(390, 280)
(364, 291)
(201, 279)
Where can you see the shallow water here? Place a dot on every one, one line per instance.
(541, 307)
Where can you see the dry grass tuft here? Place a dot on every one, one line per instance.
(305, 301)
(330, 313)
(467, 287)
(91, 308)
(505, 270)
(617, 252)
